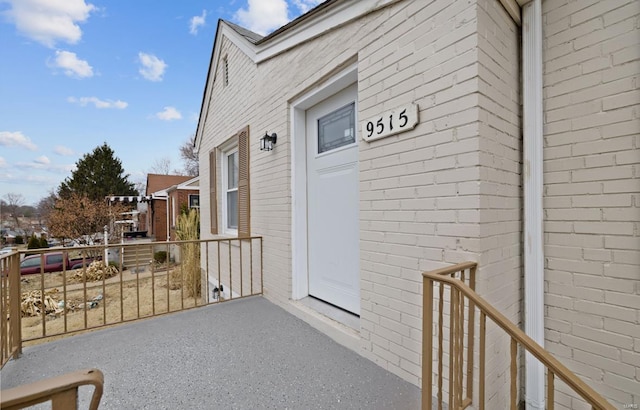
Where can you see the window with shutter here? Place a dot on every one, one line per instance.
(244, 214)
(234, 187)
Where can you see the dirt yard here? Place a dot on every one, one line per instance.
(126, 296)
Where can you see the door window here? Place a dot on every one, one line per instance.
(337, 129)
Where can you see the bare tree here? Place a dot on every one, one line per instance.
(45, 206)
(13, 203)
(189, 156)
(81, 218)
(161, 166)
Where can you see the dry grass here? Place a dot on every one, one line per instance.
(126, 296)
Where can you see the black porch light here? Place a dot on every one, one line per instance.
(268, 141)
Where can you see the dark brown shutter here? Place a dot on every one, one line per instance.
(213, 200)
(244, 214)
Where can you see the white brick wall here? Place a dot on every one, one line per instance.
(592, 180)
(422, 204)
(450, 190)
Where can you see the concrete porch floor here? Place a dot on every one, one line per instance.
(243, 354)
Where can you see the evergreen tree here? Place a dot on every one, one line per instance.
(97, 175)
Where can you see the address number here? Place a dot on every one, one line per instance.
(392, 122)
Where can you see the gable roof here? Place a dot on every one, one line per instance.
(192, 184)
(248, 34)
(325, 17)
(157, 182)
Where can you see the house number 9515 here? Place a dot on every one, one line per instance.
(391, 122)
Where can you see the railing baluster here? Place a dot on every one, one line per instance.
(251, 265)
(471, 335)
(137, 283)
(240, 260)
(550, 390)
(206, 262)
(181, 287)
(440, 341)
(64, 292)
(460, 349)
(121, 267)
(104, 291)
(514, 374)
(427, 343)
(452, 339)
(169, 280)
(153, 285)
(230, 270)
(44, 317)
(481, 369)
(219, 277)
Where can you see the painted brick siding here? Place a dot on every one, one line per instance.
(422, 193)
(500, 153)
(592, 193)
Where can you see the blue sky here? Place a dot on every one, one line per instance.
(78, 73)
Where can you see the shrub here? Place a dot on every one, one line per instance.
(33, 243)
(188, 228)
(43, 242)
(19, 240)
(160, 256)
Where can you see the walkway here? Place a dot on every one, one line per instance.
(243, 354)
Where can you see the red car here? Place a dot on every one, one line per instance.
(53, 262)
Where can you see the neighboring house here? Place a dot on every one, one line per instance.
(158, 211)
(524, 157)
(182, 197)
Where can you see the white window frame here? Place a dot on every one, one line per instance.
(224, 171)
(195, 206)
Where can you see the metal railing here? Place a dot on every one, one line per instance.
(61, 391)
(144, 279)
(10, 336)
(456, 288)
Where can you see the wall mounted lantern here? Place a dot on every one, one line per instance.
(268, 141)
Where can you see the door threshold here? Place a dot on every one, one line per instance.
(348, 319)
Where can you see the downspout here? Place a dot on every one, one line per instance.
(168, 197)
(533, 196)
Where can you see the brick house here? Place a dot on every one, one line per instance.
(183, 196)
(159, 208)
(518, 147)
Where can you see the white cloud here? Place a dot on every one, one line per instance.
(49, 21)
(169, 114)
(16, 139)
(263, 16)
(64, 151)
(72, 65)
(3, 163)
(44, 164)
(152, 67)
(98, 103)
(196, 22)
(43, 160)
(305, 5)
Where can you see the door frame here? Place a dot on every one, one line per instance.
(298, 108)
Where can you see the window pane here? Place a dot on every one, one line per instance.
(337, 129)
(232, 209)
(30, 262)
(232, 170)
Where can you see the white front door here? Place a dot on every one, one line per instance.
(332, 201)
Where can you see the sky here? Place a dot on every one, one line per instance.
(75, 74)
